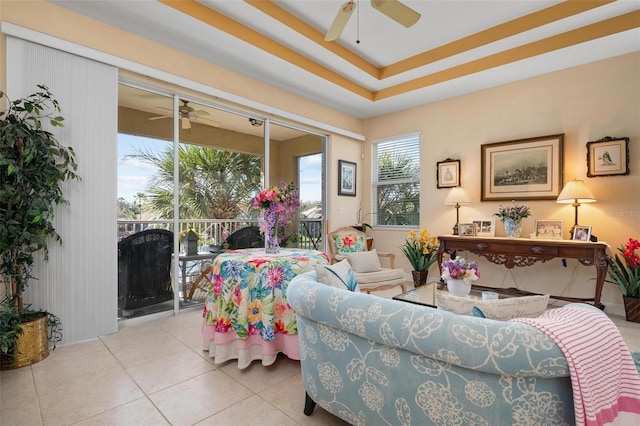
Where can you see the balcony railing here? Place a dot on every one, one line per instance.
(216, 230)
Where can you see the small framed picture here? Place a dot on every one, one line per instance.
(608, 157)
(346, 178)
(485, 227)
(466, 229)
(448, 173)
(582, 233)
(549, 228)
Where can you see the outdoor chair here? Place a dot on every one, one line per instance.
(248, 237)
(350, 244)
(144, 269)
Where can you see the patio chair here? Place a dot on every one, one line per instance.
(370, 277)
(144, 269)
(248, 237)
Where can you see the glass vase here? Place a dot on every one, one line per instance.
(512, 227)
(271, 242)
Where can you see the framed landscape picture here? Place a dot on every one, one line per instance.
(346, 178)
(524, 169)
(608, 157)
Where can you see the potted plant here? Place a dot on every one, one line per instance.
(624, 270)
(512, 217)
(421, 250)
(459, 274)
(33, 165)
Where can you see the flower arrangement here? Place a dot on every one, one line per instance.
(421, 250)
(514, 212)
(278, 207)
(460, 269)
(625, 271)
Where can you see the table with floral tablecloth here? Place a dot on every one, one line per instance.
(247, 316)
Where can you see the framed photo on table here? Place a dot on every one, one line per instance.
(347, 178)
(582, 233)
(485, 227)
(448, 173)
(549, 228)
(608, 157)
(524, 169)
(466, 229)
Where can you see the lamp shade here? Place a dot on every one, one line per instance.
(575, 191)
(457, 195)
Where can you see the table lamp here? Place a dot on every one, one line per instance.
(575, 192)
(457, 196)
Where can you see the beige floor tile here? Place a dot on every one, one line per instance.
(258, 377)
(288, 397)
(198, 398)
(163, 372)
(140, 412)
(79, 397)
(144, 348)
(253, 410)
(27, 415)
(16, 387)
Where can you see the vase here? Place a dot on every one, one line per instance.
(271, 241)
(419, 278)
(632, 308)
(459, 288)
(512, 227)
(33, 345)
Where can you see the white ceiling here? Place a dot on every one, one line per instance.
(314, 68)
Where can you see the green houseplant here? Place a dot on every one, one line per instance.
(33, 165)
(624, 270)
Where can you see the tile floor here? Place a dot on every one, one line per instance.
(155, 373)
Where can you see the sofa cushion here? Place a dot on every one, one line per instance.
(349, 243)
(364, 261)
(500, 309)
(339, 275)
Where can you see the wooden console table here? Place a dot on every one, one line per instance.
(512, 252)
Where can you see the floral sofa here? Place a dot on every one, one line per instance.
(370, 360)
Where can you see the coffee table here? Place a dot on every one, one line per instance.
(426, 294)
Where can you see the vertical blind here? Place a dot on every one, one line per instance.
(395, 180)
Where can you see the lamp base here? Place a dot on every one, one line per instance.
(455, 229)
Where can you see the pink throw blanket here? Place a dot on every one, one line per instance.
(603, 375)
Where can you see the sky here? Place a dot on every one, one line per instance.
(134, 175)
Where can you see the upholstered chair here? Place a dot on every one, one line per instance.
(350, 244)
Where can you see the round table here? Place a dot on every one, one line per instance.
(247, 316)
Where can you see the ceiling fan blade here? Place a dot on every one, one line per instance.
(340, 21)
(397, 11)
(186, 123)
(201, 112)
(160, 117)
(211, 122)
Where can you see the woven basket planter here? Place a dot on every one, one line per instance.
(632, 308)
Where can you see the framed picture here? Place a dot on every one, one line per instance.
(346, 178)
(582, 233)
(485, 227)
(448, 173)
(466, 229)
(608, 157)
(549, 228)
(525, 169)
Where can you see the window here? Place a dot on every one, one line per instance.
(395, 178)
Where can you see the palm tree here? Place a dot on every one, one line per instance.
(214, 184)
(398, 201)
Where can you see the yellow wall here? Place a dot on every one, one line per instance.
(585, 103)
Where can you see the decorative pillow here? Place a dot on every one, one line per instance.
(349, 243)
(364, 261)
(500, 309)
(339, 275)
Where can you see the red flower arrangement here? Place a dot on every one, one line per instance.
(625, 271)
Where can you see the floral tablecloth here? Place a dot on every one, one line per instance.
(247, 315)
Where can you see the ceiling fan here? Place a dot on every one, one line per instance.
(187, 115)
(395, 10)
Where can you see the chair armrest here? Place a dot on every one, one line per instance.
(390, 256)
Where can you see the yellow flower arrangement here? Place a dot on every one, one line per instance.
(421, 250)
